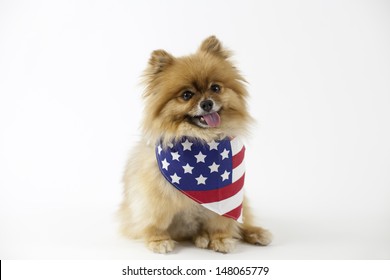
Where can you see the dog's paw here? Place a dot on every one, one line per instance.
(222, 245)
(202, 241)
(162, 246)
(257, 236)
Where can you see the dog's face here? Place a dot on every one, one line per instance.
(201, 95)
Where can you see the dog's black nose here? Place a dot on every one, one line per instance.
(206, 105)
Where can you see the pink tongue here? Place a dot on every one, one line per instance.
(212, 119)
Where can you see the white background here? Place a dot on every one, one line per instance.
(318, 161)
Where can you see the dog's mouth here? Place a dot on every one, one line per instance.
(208, 120)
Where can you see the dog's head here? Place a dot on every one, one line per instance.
(201, 95)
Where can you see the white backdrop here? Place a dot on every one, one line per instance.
(318, 161)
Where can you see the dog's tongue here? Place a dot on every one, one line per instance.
(212, 119)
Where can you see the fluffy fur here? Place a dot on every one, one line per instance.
(175, 87)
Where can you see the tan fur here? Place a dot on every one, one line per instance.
(152, 209)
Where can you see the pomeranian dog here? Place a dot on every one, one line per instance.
(184, 179)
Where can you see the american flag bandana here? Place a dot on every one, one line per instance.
(211, 173)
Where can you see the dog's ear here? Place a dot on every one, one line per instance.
(159, 60)
(214, 46)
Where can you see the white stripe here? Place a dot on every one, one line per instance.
(238, 172)
(236, 145)
(226, 205)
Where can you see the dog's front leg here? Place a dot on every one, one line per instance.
(156, 234)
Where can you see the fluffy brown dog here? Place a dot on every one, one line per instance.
(202, 97)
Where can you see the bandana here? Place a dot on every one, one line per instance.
(212, 174)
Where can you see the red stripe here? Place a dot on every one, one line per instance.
(235, 213)
(238, 158)
(217, 194)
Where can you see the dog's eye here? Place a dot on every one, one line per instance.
(215, 88)
(187, 95)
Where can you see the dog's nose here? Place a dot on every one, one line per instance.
(206, 105)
